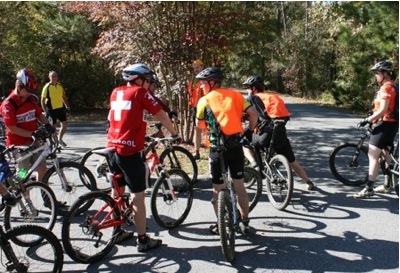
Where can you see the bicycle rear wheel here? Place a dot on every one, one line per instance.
(84, 240)
(97, 164)
(226, 225)
(252, 179)
(348, 167)
(279, 182)
(37, 206)
(167, 212)
(45, 255)
(180, 158)
(73, 174)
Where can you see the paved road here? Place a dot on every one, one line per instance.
(323, 231)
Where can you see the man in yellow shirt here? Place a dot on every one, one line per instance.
(55, 103)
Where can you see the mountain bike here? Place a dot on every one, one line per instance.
(172, 156)
(349, 162)
(35, 255)
(89, 236)
(275, 168)
(227, 212)
(38, 202)
(68, 179)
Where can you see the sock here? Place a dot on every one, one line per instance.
(142, 239)
(370, 185)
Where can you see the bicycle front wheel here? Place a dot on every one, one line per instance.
(67, 183)
(349, 164)
(98, 165)
(279, 182)
(45, 255)
(85, 236)
(252, 179)
(180, 158)
(226, 225)
(37, 206)
(170, 207)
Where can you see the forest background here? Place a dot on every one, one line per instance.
(317, 50)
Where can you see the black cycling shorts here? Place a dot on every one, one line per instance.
(383, 134)
(135, 171)
(281, 144)
(58, 114)
(234, 162)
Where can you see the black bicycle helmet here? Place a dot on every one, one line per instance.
(382, 66)
(26, 79)
(255, 81)
(211, 74)
(136, 70)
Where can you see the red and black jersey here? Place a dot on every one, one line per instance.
(127, 118)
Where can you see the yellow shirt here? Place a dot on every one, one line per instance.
(54, 95)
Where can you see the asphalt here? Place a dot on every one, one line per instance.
(325, 230)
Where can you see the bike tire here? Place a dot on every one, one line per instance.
(74, 174)
(253, 179)
(180, 158)
(166, 212)
(45, 255)
(344, 169)
(226, 225)
(82, 240)
(98, 165)
(43, 200)
(279, 182)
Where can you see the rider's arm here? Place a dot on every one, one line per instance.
(253, 117)
(14, 129)
(166, 122)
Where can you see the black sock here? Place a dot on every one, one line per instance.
(143, 238)
(370, 184)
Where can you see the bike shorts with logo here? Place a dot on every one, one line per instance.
(234, 161)
(134, 169)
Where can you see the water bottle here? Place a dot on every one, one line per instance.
(22, 174)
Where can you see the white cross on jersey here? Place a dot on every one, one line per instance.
(120, 104)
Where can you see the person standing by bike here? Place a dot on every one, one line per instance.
(54, 102)
(227, 106)
(384, 127)
(195, 92)
(271, 106)
(129, 107)
(22, 112)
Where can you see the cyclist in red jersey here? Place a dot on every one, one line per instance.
(130, 105)
(384, 127)
(21, 113)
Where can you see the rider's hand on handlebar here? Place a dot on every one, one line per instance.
(364, 122)
(39, 133)
(49, 128)
(172, 114)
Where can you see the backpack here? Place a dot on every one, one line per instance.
(395, 112)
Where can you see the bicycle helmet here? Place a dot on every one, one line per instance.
(154, 79)
(211, 74)
(255, 81)
(135, 71)
(382, 66)
(26, 79)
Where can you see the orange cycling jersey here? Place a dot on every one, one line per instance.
(274, 105)
(194, 91)
(227, 106)
(386, 92)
